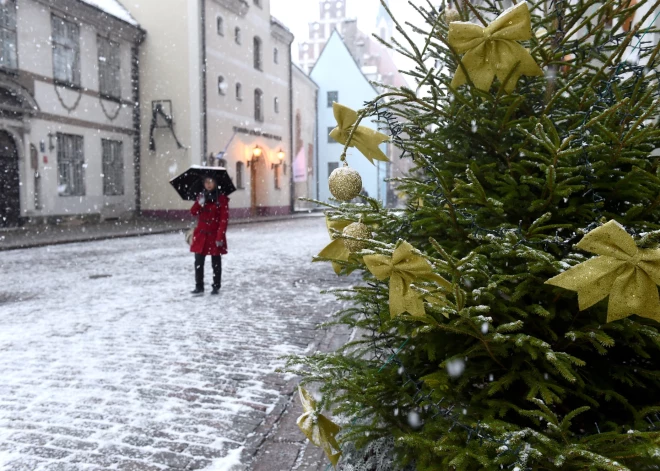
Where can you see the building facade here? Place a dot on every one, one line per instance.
(68, 110)
(350, 88)
(305, 148)
(216, 91)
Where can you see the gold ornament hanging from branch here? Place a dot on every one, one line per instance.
(365, 139)
(493, 51)
(320, 430)
(358, 230)
(345, 183)
(403, 268)
(624, 272)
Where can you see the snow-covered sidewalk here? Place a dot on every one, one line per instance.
(108, 363)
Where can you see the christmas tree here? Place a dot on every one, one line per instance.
(508, 318)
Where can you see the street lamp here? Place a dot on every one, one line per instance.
(280, 157)
(256, 153)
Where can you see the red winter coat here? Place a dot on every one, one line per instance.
(211, 227)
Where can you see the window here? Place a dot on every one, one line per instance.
(332, 97)
(240, 166)
(276, 104)
(332, 166)
(239, 92)
(109, 68)
(257, 52)
(276, 56)
(70, 165)
(310, 159)
(113, 167)
(222, 85)
(258, 105)
(237, 35)
(277, 177)
(331, 140)
(8, 49)
(66, 51)
(220, 24)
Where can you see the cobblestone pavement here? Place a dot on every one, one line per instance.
(107, 363)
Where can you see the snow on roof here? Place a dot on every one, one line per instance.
(113, 8)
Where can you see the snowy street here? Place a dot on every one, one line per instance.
(108, 363)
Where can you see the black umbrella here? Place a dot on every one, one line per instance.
(191, 182)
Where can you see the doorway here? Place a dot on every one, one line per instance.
(10, 206)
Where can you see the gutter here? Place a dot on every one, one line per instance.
(292, 185)
(205, 143)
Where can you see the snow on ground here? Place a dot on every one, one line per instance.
(114, 8)
(107, 360)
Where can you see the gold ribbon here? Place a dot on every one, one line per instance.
(320, 430)
(493, 51)
(402, 269)
(336, 250)
(365, 139)
(624, 272)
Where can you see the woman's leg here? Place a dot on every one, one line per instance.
(199, 271)
(216, 261)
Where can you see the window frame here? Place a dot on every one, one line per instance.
(240, 175)
(276, 55)
(113, 168)
(220, 25)
(115, 54)
(7, 32)
(237, 36)
(221, 80)
(335, 94)
(276, 105)
(257, 53)
(258, 105)
(76, 72)
(332, 166)
(239, 91)
(77, 146)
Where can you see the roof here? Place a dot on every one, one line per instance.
(302, 72)
(113, 8)
(343, 43)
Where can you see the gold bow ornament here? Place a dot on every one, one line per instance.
(335, 250)
(493, 51)
(365, 139)
(320, 430)
(403, 268)
(624, 272)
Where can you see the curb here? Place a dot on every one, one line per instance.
(141, 233)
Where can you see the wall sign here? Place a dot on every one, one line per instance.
(253, 132)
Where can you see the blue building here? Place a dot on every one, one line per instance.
(340, 79)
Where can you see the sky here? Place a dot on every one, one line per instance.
(296, 14)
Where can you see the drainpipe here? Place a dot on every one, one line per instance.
(292, 188)
(316, 146)
(205, 143)
(137, 144)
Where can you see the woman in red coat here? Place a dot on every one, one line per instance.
(209, 237)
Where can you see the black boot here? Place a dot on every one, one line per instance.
(199, 274)
(216, 261)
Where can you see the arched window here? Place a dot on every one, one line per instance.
(276, 104)
(221, 26)
(239, 92)
(257, 52)
(237, 35)
(239, 175)
(222, 85)
(258, 105)
(276, 56)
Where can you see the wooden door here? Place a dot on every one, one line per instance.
(9, 181)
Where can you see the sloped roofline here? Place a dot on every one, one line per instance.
(305, 75)
(335, 32)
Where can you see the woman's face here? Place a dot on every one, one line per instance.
(209, 184)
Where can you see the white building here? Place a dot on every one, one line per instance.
(68, 110)
(216, 89)
(350, 88)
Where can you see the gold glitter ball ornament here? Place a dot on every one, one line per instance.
(452, 14)
(345, 183)
(359, 230)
